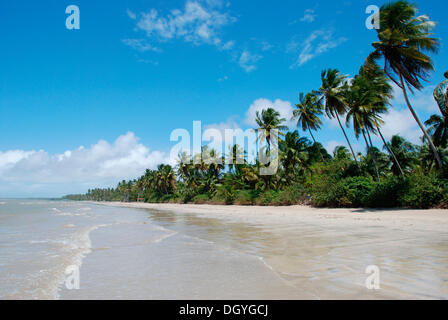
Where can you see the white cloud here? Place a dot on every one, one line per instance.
(222, 126)
(247, 61)
(140, 45)
(399, 119)
(401, 122)
(266, 46)
(283, 107)
(332, 144)
(131, 14)
(317, 43)
(308, 16)
(103, 164)
(197, 23)
(421, 100)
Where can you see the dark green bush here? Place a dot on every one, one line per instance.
(422, 191)
(386, 193)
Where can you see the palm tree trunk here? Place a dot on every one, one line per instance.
(315, 143)
(373, 153)
(368, 151)
(431, 144)
(353, 153)
(391, 152)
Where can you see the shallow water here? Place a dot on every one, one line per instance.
(126, 253)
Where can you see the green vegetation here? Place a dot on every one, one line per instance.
(400, 175)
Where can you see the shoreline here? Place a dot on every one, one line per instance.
(325, 252)
(428, 219)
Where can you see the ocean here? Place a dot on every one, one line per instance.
(80, 250)
(123, 253)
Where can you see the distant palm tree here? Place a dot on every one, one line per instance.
(404, 151)
(307, 113)
(332, 90)
(293, 151)
(268, 120)
(341, 153)
(403, 37)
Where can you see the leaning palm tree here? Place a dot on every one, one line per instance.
(332, 90)
(307, 113)
(360, 99)
(403, 39)
(379, 86)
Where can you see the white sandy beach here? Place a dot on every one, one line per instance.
(323, 253)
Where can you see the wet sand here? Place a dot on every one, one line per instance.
(323, 253)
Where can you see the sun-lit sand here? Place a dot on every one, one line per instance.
(324, 253)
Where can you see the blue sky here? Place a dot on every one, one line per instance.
(140, 69)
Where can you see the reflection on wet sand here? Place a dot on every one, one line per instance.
(329, 260)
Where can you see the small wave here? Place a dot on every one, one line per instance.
(69, 214)
(82, 246)
(2, 202)
(85, 209)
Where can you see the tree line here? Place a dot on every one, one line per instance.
(397, 174)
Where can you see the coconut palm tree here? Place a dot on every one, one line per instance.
(293, 152)
(332, 91)
(404, 151)
(441, 96)
(341, 153)
(307, 113)
(268, 120)
(379, 86)
(438, 129)
(403, 39)
(360, 99)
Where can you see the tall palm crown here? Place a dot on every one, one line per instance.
(332, 91)
(269, 119)
(363, 106)
(404, 38)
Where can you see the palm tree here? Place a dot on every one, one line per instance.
(404, 151)
(332, 90)
(341, 153)
(293, 151)
(268, 120)
(360, 100)
(403, 38)
(307, 114)
(441, 95)
(379, 86)
(438, 129)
